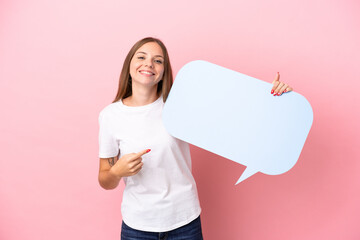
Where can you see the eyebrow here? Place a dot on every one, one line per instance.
(146, 54)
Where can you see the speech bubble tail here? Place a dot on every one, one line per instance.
(247, 173)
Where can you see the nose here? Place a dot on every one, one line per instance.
(149, 63)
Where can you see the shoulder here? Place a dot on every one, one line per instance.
(109, 110)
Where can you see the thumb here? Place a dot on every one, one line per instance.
(277, 78)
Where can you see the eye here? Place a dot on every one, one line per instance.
(158, 61)
(141, 57)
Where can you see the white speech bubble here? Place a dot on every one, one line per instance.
(235, 116)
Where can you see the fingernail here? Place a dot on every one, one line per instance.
(148, 150)
(272, 91)
(279, 94)
(285, 90)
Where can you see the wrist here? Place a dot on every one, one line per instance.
(113, 174)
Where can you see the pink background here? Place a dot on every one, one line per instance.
(59, 66)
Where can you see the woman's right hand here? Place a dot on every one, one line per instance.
(128, 165)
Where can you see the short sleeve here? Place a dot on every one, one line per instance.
(108, 146)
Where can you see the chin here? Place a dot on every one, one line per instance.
(147, 83)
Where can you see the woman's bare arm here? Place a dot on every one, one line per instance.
(112, 169)
(107, 179)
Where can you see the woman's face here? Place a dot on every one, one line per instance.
(147, 65)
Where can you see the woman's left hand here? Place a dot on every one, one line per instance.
(279, 87)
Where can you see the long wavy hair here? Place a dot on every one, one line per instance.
(125, 83)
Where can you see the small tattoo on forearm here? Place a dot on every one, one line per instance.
(111, 161)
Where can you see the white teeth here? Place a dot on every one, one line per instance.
(147, 72)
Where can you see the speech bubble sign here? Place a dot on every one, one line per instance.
(235, 116)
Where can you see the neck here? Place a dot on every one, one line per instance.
(141, 96)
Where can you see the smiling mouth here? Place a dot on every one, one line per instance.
(147, 73)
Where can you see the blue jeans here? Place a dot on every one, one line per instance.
(190, 231)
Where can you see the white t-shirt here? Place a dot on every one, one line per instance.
(163, 195)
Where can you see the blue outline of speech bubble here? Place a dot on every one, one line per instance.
(235, 116)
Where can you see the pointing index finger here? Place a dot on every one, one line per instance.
(139, 154)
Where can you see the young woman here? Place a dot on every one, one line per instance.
(160, 199)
